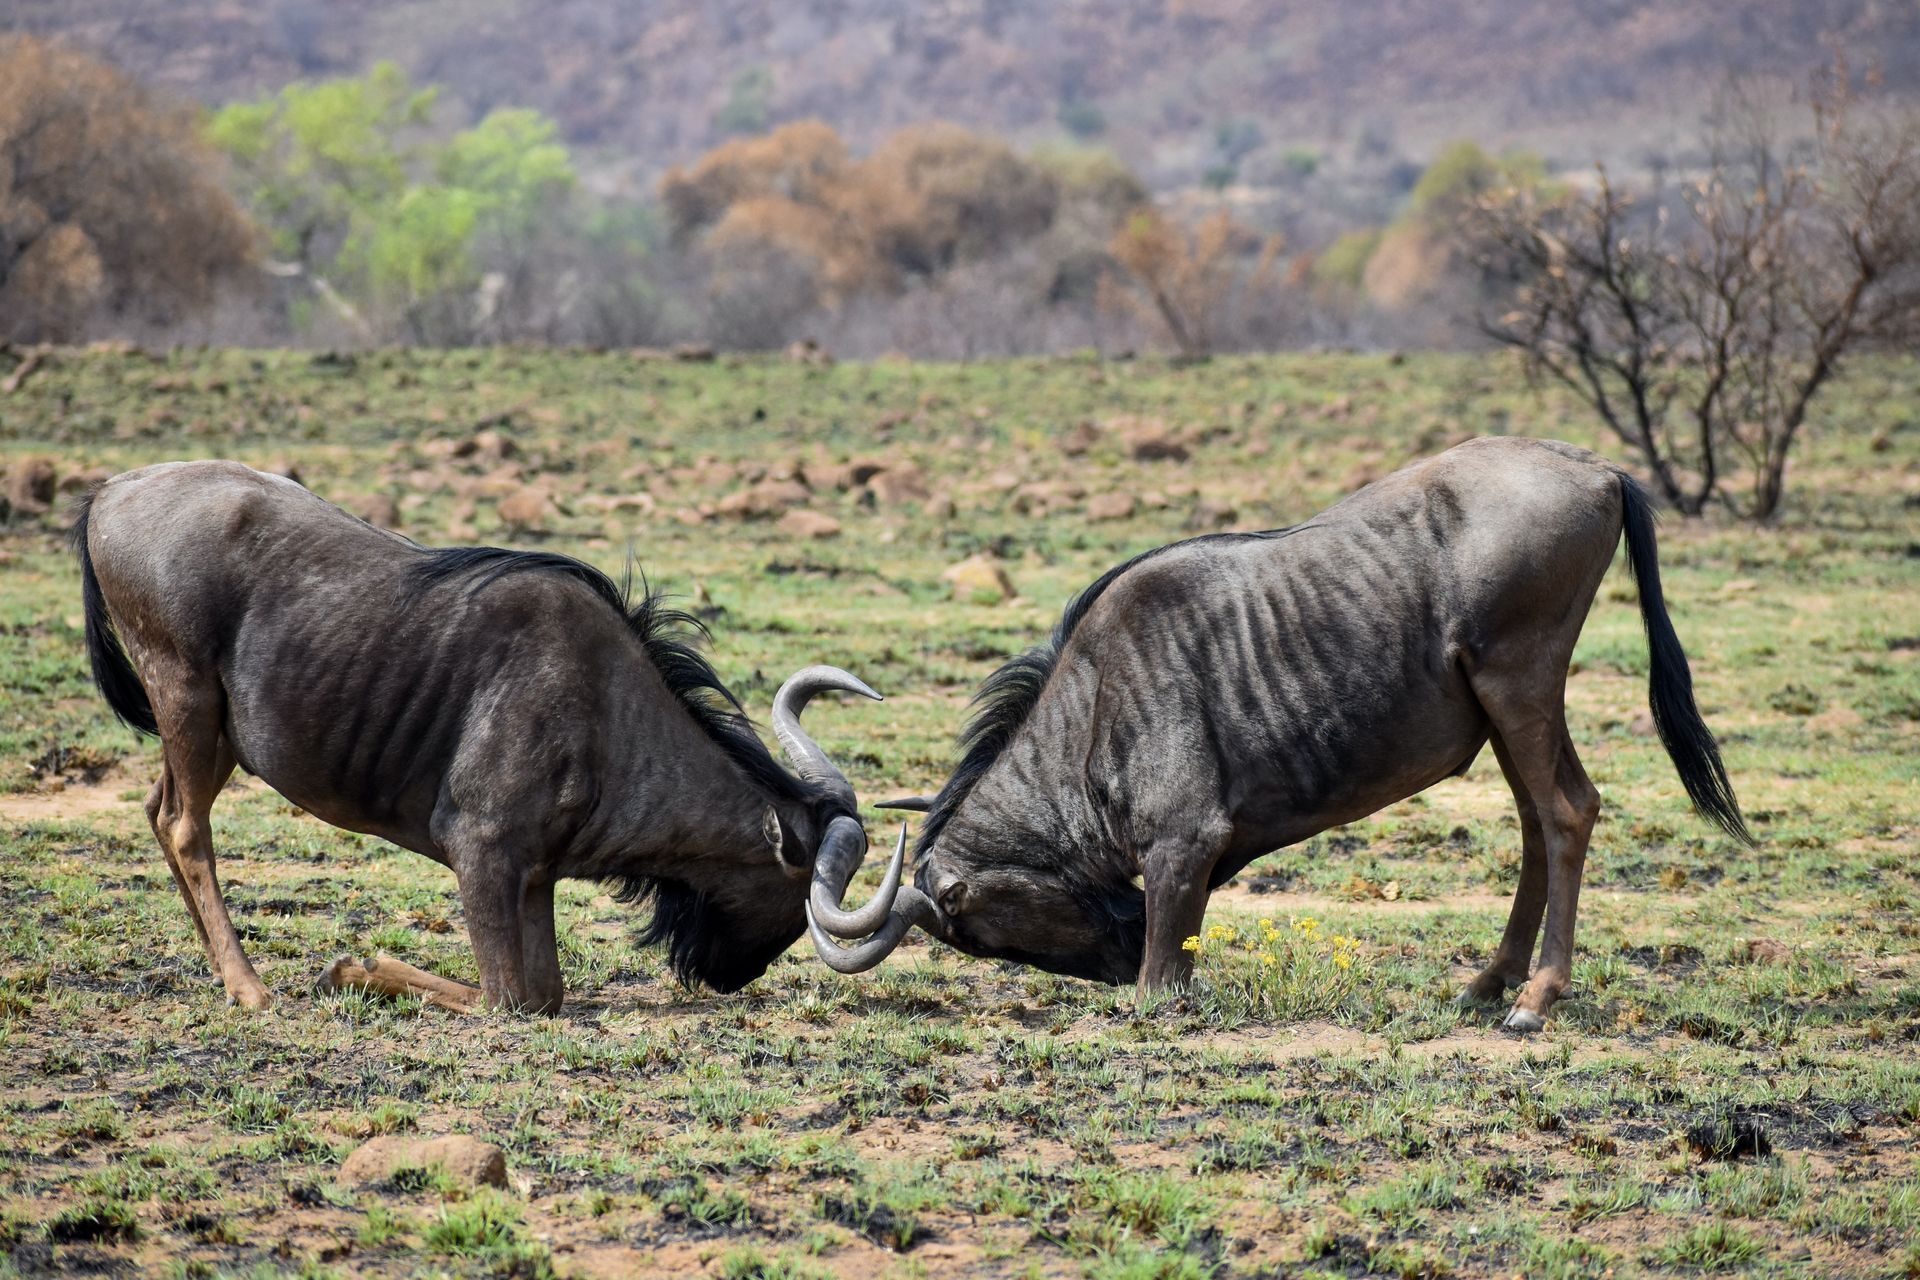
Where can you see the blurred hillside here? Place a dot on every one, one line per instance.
(1184, 91)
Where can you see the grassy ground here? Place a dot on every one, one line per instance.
(1331, 1112)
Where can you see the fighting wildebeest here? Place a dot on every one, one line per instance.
(511, 715)
(1218, 698)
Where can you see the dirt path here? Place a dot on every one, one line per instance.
(72, 800)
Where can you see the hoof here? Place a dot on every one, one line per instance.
(1525, 1021)
(256, 999)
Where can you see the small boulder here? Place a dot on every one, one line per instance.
(1148, 439)
(767, 498)
(30, 486)
(378, 509)
(979, 579)
(1767, 951)
(1110, 506)
(904, 482)
(83, 481)
(476, 1163)
(802, 523)
(1079, 438)
(940, 507)
(1209, 513)
(528, 507)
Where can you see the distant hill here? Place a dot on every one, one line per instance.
(1184, 90)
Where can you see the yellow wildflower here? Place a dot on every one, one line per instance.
(1192, 944)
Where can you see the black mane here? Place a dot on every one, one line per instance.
(668, 635)
(1007, 696)
(704, 944)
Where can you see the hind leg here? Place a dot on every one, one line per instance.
(196, 765)
(1513, 958)
(1529, 716)
(156, 801)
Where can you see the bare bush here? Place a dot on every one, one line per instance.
(1700, 329)
(1194, 280)
(109, 202)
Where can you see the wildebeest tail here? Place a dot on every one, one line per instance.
(113, 671)
(1685, 735)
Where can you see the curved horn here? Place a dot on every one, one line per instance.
(841, 851)
(910, 908)
(807, 757)
(913, 804)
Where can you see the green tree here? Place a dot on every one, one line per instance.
(386, 222)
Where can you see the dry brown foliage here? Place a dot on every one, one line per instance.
(930, 197)
(1190, 278)
(109, 202)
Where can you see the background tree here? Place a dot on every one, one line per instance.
(792, 223)
(109, 202)
(1700, 329)
(1191, 279)
(397, 230)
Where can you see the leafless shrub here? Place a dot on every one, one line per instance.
(1700, 329)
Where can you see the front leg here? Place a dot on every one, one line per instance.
(1176, 879)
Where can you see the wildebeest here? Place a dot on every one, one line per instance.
(1215, 699)
(512, 715)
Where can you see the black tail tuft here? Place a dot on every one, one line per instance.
(1685, 735)
(113, 672)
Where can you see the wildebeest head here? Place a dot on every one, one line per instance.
(724, 932)
(986, 905)
(1038, 914)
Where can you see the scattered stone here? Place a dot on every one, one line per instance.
(940, 507)
(475, 1163)
(1003, 481)
(1768, 951)
(979, 579)
(1148, 439)
(802, 523)
(1079, 438)
(377, 509)
(30, 486)
(1036, 498)
(1210, 513)
(529, 507)
(1110, 506)
(904, 482)
(765, 499)
(82, 481)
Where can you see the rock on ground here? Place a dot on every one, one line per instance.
(470, 1160)
(802, 523)
(979, 578)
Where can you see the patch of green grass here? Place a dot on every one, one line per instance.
(1298, 1116)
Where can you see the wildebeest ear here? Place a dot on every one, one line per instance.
(913, 804)
(777, 837)
(953, 897)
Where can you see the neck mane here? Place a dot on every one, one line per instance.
(1006, 699)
